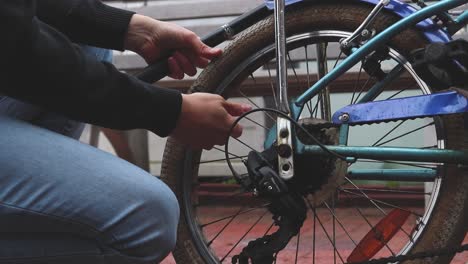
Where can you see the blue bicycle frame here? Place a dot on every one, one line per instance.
(433, 34)
(373, 44)
(430, 30)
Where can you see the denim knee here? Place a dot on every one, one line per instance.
(169, 214)
(156, 234)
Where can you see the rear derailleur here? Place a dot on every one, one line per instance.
(288, 208)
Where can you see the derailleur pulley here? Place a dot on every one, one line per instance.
(288, 209)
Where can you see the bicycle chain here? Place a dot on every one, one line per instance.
(420, 255)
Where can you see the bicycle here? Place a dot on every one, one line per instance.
(373, 39)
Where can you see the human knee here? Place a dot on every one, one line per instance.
(168, 214)
(157, 227)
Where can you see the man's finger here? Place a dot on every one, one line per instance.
(185, 64)
(237, 131)
(208, 52)
(174, 69)
(201, 62)
(236, 109)
(195, 59)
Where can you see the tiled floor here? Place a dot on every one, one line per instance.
(324, 251)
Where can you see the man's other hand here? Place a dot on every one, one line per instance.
(206, 119)
(152, 39)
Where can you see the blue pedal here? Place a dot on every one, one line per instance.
(444, 103)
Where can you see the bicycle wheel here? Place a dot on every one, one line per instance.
(218, 218)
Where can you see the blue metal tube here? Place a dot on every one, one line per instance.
(377, 41)
(462, 19)
(344, 133)
(392, 153)
(414, 175)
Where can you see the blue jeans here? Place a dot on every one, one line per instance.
(62, 201)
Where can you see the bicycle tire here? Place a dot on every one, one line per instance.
(447, 224)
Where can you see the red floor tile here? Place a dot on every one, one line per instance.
(324, 251)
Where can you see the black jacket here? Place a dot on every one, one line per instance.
(40, 64)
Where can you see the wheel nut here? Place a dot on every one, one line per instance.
(365, 33)
(284, 133)
(284, 151)
(344, 117)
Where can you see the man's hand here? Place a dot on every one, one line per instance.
(205, 120)
(153, 39)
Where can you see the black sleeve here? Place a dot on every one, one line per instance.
(40, 65)
(86, 21)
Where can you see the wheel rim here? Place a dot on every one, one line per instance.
(188, 197)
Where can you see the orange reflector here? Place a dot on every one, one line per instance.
(379, 236)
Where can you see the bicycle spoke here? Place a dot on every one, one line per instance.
(322, 70)
(356, 84)
(417, 165)
(405, 134)
(334, 229)
(338, 59)
(374, 201)
(365, 195)
(297, 246)
(292, 68)
(298, 82)
(319, 102)
(315, 229)
(243, 236)
(340, 223)
(388, 133)
(255, 122)
(389, 190)
(390, 205)
(234, 215)
(273, 89)
(369, 223)
(269, 228)
(399, 92)
(364, 86)
(309, 103)
(325, 231)
(255, 104)
(218, 160)
(226, 198)
(224, 227)
(297, 77)
(223, 151)
(245, 144)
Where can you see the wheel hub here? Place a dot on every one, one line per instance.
(317, 176)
